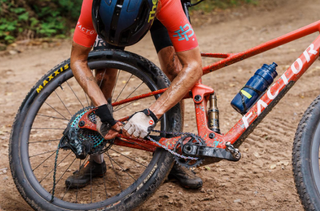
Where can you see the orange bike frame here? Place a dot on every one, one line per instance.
(259, 110)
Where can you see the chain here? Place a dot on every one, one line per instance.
(166, 148)
(54, 174)
(77, 119)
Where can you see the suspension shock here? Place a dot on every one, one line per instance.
(213, 114)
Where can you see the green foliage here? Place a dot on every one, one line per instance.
(209, 5)
(45, 18)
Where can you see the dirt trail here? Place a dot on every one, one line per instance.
(262, 179)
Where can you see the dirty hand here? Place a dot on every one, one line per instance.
(105, 124)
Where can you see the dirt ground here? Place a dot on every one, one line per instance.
(262, 179)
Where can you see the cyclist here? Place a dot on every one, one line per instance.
(179, 57)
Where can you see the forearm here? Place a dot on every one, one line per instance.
(190, 73)
(84, 76)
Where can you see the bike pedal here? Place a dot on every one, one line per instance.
(234, 151)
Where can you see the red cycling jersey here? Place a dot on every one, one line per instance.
(170, 14)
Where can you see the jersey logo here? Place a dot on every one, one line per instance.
(85, 30)
(99, 43)
(152, 13)
(184, 32)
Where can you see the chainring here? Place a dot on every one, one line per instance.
(188, 138)
(83, 141)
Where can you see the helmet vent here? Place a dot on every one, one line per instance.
(120, 3)
(115, 19)
(143, 13)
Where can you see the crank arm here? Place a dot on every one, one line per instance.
(204, 151)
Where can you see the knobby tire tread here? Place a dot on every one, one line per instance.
(297, 156)
(164, 168)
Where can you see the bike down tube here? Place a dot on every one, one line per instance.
(272, 96)
(236, 57)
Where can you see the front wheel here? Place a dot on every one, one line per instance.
(132, 175)
(305, 157)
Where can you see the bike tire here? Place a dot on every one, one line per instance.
(305, 157)
(36, 194)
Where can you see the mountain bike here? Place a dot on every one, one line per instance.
(54, 132)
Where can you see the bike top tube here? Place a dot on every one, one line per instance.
(229, 59)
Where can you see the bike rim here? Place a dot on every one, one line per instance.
(30, 168)
(315, 158)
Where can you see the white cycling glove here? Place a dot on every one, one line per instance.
(141, 123)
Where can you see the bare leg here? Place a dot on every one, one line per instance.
(106, 79)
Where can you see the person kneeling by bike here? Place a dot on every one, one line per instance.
(179, 56)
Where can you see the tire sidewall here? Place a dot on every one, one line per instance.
(306, 157)
(154, 177)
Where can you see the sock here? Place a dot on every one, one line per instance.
(98, 158)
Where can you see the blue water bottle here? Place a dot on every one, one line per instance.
(256, 85)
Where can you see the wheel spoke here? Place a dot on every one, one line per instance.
(42, 153)
(115, 85)
(43, 161)
(46, 128)
(115, 173)
(117, 109)
(134, 90)
(64, 172)
(104, 182)
(53, 168)
(104, 73)
(56, 111)
(77, 186)
(63, 103)
(126, 105)
(128, 157)
(32, 142)
(91, 183)
(67, 189)
(121, 168)
(42, 115)
(123, 88)
(85, 94)
(66, 169)
(75, 95)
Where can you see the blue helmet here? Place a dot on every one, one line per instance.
(123, 22)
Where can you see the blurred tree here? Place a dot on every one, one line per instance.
(25, 19)
(37, 18)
